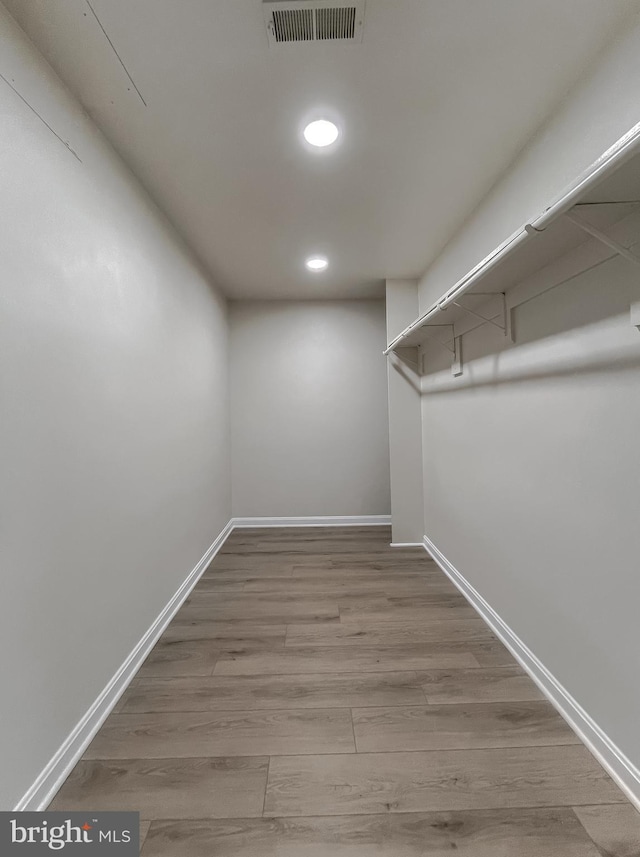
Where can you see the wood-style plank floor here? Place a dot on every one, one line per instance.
(321, 694)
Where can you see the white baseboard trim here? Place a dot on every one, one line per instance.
(315, 521)
(43, 790)
(406, 545)
(612, 759)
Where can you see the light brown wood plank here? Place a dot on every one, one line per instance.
(167, 788)
(364, 565)
(266, 609)
(615, 829)
(307, 533)
(440, 594)
(313, 550)
(457, 727)
(277, 564)
(242, 575)
(226, 634)
(247, 693)
(228, 733)
(192, 657)
(398, 633)
(197, 657)
(436, 781)
(375, 606)
(339, 556)
(495, 833)
(383, 557)
(491, 653)
(287, 590)
(333, 659)
(279, 538)
(354, 585)
(287, 546)
(391, 608)
(349, 586)
(490, 684)
(227, 581)
(231, 565)
(377, 612)
(218, 585)
(369, 571)
(290, 551)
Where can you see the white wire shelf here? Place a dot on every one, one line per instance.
(608, 192)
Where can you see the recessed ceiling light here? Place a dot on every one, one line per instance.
(317, 263)
(321, 133)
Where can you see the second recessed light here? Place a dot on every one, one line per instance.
(321, 133)
(317, 263)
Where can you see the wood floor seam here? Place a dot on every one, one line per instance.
(266, 785)
(369, 814)
(393, 813)
(353, 731)
(574, 811)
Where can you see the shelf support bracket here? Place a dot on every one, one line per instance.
(410, 354)
(456, 365)
(505, 326)
(620, 249)
(446, 345)
(603, 237)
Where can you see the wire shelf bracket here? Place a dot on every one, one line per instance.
(620, 249)
(504, 325)
(592, 230)
(448, 344)
(411, 355)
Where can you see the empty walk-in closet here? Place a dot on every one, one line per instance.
(320, 396)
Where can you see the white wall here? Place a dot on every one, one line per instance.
(114, 431)
(405, 424)
(309, 408)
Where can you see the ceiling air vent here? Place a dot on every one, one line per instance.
(313, 20)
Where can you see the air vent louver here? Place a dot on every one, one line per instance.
(313, 20)
(336, 23)
(293, 25)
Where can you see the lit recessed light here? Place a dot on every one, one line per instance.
(321, 133)
(317, 263)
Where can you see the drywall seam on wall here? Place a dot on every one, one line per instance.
(612, 759)
(48, 782)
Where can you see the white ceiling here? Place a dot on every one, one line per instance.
(434, 104)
